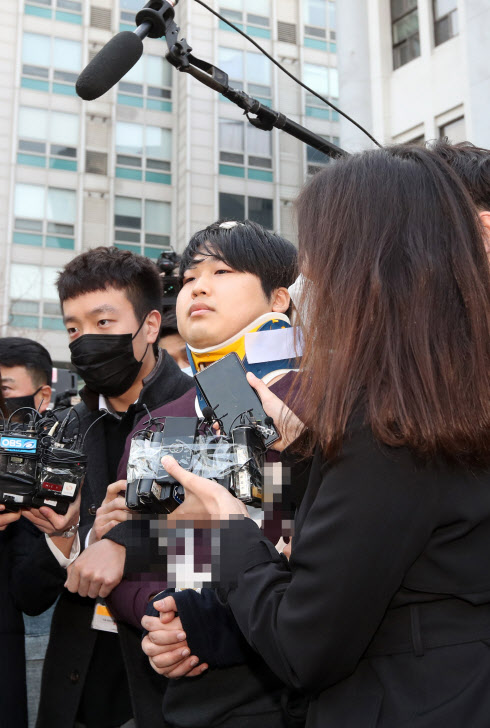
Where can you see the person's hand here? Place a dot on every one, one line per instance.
(6, 518)
(112, 511)
(98, 570)
(287, 548)
(205, 500)
(52, 523)
(166, 644)
(287, 424)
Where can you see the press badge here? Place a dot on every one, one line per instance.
(103, 619)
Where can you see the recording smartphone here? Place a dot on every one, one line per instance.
(178, 437)
(144, 485)
(226, 390)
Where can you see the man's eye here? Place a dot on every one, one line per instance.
(187, 280)
(224, 270)
(72, 331)
(103, 322)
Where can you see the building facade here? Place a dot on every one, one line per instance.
(157, 157)
(415, 70)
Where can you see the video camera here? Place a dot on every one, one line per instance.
(166, 264)
(227, 444)
(39, 466)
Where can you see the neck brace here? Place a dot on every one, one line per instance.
(199, 358)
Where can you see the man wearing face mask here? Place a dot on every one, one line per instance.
(26, 370)
(111, 301)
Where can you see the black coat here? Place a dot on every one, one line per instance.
(18, 543)
(382, 616)
(72, 640)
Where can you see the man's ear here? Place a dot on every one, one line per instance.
(44, 396)
(485, 221)
(152, 324)
(281, 300)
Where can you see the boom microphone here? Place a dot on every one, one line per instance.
(110, 64)
(121, 53)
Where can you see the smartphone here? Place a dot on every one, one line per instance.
(226, 390)
(179, 434)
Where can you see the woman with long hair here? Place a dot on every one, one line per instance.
(382, 615)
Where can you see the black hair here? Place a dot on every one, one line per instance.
(15, 351)
(169, 322)
(102, 267)
(248, 248)
(471, 164)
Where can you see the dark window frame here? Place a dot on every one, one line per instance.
(245, 201)
(445, 26)
(408, 48)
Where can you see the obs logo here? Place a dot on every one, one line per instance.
(10, 443)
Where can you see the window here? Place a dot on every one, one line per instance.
(34, 301)
(316, 160)
(44, 216)
(142, 226)
(250, 72)
(324, 81)
(454, 130)
(239, 207)
(50, 64)
(129, 8)
(250, 15)
(332, 17)
(245, 151)
(143, 152)
(315, 12)
(48, 138)
(320, 24)
(67, 11)
(405, 31)
(445, 20)
(148, 84)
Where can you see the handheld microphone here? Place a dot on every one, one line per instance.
(123, 51)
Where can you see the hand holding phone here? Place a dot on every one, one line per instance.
(226, 390)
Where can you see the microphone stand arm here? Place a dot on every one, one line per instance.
(160, 15)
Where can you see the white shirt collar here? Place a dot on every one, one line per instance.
(105, 406)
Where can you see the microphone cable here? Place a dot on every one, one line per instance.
(284, 70)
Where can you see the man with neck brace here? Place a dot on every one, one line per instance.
(235, 278)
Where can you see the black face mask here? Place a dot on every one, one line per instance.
(106, 362)
(15, 403)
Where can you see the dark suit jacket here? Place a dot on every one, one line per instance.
(382, 615)
(17, 544)
(72, 640)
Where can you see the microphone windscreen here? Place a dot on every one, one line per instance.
(208, 413)
(110, 64)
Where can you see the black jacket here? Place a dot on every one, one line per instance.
(382, 615)
(18, 543)
(238, 690)
(72, 640)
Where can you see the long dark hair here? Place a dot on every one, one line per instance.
(398, 306)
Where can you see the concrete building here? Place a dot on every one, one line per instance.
(157, 157)
(415, 70)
